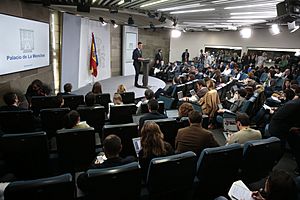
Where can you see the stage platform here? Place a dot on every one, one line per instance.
(110, 85)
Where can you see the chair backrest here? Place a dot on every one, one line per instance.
(161, 108)
(218, 167)
(76, 148)
(94, 116)
(169, 102)
(171, 173)
(189, 86)
(169, 127)
(53, 119)
(121, 114)
(73, 101)
(103, 99)
(57, 187)
(126, 132)
(121, 182)
(17, 121)
(259, 158)
(128, 97)
(177, 89)
(43, 102)
(26, 154)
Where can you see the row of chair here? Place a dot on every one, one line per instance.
(73, 101)
(215, 171)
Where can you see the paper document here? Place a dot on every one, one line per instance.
(239, 191)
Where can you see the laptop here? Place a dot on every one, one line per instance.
(137, 145)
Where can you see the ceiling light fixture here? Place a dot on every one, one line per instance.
(246, 32)
(180, 7)
(103, 23)
(192, 11)
(130, 20)
(175, 33)
(153, 3)
(114, 23)
(249, 6)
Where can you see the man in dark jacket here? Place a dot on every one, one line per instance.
(137, 58)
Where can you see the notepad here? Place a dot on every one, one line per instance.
(239, 191)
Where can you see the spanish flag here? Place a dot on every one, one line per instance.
(93, 57)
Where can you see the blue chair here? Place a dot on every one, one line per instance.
(52, 188)
(217, 169)
(171, 175)
(259, 158)
(116, 183)
(169, 102)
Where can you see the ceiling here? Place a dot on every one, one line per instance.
(211, 15)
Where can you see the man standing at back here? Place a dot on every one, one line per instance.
(137, 58)
(194, 138)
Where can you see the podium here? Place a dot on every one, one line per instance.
(145, 63)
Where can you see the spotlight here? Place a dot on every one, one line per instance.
(114, 23)
(293, 27)
(162, 19)
(130, 21)
(275, 29)
(151, 15)
(152, 26)
(102, 21)
(246, 32)
(174, 23)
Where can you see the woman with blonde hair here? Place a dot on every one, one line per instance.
(210, 101)
(121, 89)
(152, 145)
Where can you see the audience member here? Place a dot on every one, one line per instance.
(184, 109)
(67, 89)
(72, 120)
(97, 88)
(152, 145)
(245, 133)
(37, 88)
(12, 102)
(278, 186)
(148, 94)
(153, 113)
(194, 138)
(112, 147)
(210, 101)
(121, 89)
(90, 99)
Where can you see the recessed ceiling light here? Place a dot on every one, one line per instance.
(121, 2)
(191, 11)
(246, 32)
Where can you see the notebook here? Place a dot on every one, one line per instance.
(229, 125)
(192, 92)
(137, 145)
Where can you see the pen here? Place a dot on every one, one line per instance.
(234, 197)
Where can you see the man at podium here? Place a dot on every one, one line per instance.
(137, 62)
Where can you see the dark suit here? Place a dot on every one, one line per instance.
(194, 138)
(159, 58)
(185, 56)
(137, 53)
(149, 116)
